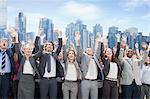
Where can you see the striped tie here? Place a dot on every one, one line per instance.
(3, 59)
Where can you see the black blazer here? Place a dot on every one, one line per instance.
(22, 60)
(106, 62)
(43, 57)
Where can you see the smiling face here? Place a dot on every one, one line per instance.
(129, 53)
(49, 46)
(27, 49)
(3, 44)
(71, 55)
(108, 53)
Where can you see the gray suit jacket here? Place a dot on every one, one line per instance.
(75, 63)
(131, 69)
(22, 60)
(84, 60)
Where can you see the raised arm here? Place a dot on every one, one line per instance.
(64, 49)
(118, 46)
(122, 50)
(145, 54)
(79, 50)
(59, 42)
(98, 48)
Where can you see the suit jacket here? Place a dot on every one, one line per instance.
(85, 60)
(75, 63)
(10, 53)
(43, 57)
(22, 59)
(131, 69)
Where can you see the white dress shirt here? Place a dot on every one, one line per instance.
(71, 72)
(113, 71)
(146, 74)
(92, 70)
(27, 68)
(52, 73)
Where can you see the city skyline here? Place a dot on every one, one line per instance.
(120, 13)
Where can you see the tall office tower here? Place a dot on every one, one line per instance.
(131, 34)
(71, 29)
(29, 36)
(139, 40)
(97, 30)
(48, 27)
(112, 36)
(3, 17)
(21, 26)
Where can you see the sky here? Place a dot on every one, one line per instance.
(121, 13)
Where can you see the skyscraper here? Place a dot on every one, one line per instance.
(48, 27)
(86, 34)
(112, 36)
(139, 40)
(21, 25)
(3, 14)
(97, 29)
(131, 34)
(70, 33)
(72, 28)
(29, 36)
(3, 17)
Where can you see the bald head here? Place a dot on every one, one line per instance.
(89, 51)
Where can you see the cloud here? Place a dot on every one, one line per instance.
(86, 11)
(132, 4)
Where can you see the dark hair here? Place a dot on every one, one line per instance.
(71, 50)
(51, 43)
(113, 57)
(73, 53)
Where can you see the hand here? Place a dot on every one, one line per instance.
(118, 37)
(77, 36)
(136, 45)
(99, 38)
(58, 32)
(71, 45)
(64, 40)
(124, 38)
(144, 46)
(40, 31)
(124, 45)
(12, 31)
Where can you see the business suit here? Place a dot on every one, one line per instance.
(5, 78)
(89, 86)
(26, 81)
(110, 87)
(131, 75)
(70, 87)
(48, 86)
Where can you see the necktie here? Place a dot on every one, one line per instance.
(48, 63)
(3, 59)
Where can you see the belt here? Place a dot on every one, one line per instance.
(70, 81)
(111, 79)
(91, 79)
(2, 74)
(49, 78)
(146, 84)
